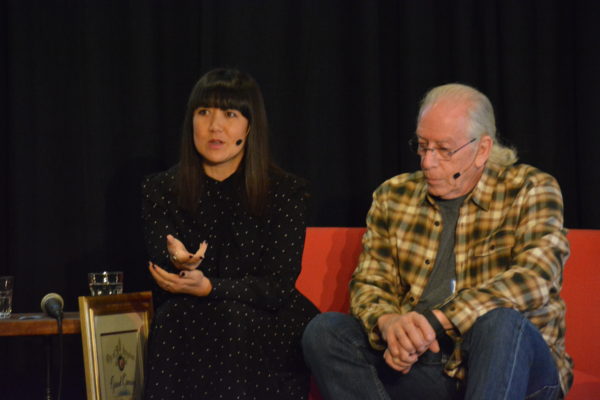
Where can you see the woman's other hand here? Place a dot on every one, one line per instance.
(187, 282)
(181, 257)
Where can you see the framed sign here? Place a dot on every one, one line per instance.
(114, 332)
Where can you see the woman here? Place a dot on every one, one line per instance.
(225, 232)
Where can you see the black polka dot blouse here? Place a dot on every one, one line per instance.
(242, 341)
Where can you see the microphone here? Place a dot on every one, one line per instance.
(459, 174)
(52, 304)
(239, 142)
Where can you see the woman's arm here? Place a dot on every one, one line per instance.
(157, 206)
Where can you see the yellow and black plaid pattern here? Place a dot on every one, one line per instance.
(510, 251)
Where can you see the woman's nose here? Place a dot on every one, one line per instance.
(216, 120)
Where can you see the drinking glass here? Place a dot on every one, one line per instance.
(105, 283)
(6, 294)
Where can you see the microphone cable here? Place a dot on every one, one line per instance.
(60, 356)
(60, 363)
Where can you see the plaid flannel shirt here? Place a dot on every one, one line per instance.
(510, 251)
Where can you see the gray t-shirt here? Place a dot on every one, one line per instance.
(443, 277)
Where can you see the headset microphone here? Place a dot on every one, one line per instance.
(459, 174)
(239, 142)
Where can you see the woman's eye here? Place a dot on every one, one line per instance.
(202, 111)
(230, 114)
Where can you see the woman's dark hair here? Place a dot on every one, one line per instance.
(227, 89)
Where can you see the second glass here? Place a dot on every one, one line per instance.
(105, 283)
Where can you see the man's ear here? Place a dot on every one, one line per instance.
(484, 150)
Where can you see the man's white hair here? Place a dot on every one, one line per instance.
(481, 116)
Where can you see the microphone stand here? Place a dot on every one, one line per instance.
(49, 358)
(48, 369)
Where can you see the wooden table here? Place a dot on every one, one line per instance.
(37, 324)
(40, 324)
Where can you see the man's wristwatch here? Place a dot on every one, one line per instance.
(435, 323)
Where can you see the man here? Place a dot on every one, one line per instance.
(456, 294)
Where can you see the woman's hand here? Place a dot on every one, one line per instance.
(187, 282)
(181, 257)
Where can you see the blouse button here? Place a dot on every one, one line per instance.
(427, 261)
(437, 223)
(411, 300)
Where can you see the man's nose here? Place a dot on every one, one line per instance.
(429, 159)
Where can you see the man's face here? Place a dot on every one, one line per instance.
(443, 127)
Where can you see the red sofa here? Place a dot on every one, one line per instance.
(330, 256)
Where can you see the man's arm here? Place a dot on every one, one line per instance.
(374, 289)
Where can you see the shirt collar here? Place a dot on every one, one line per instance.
(483, 192)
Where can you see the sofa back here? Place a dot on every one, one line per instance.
(330, 257)
(581, 292)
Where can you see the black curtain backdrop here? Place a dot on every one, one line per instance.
(92, 96)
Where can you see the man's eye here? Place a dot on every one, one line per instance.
(443, 150)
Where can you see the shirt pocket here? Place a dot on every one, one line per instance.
(489, 257)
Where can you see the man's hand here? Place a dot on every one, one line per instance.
(181, 258)
(407, 336)
(187, 282)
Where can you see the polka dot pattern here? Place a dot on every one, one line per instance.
(241, 341)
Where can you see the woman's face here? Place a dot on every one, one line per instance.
(220, 138)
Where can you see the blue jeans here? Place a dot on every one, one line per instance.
(506, 358)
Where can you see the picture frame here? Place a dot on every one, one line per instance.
(114, 335)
